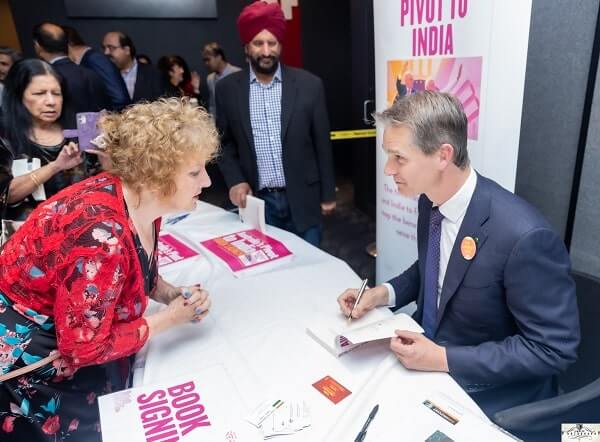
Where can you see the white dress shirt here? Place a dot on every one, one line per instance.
(130, 76)
(454, 212)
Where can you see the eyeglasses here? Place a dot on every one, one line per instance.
(110, 48)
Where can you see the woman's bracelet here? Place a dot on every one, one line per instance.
(35, 179)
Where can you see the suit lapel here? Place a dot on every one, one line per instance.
(244, 105)
(288, 97)
(477, 213)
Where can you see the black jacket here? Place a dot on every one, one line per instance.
(84, 91)
(306, 147)
(114, 86)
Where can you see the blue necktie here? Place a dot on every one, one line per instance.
(432, 272)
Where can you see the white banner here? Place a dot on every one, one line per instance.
(473, 49)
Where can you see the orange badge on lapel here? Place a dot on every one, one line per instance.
(468, 248)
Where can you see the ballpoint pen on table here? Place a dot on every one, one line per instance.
(363, 432)
(360, 293)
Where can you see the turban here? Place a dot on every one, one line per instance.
(259, 16)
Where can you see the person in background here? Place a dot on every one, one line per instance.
(142, 81)
(83, 91)
(178, 81)
(276, 130)
(33, 103)
(76, 278)
(8, 57)
(84, 55)
(218, 67)
(492, 281)
(5, 177)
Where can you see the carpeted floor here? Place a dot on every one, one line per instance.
(347, 233)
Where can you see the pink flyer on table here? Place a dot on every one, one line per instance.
(172, 250)
(246, 249)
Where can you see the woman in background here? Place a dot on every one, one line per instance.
(177, 78)
(5, 177)
(32, 106)
(75, 279)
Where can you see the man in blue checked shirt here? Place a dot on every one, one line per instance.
(275, 130)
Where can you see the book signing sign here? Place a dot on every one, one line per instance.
(474, 50)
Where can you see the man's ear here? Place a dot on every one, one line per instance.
(446, 153)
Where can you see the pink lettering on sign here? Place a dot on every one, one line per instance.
(433, 34)
(433, 40)
(166, 416)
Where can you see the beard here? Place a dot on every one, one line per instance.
(267, 69)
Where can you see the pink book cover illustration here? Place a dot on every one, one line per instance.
(246, 249)
(172, 250)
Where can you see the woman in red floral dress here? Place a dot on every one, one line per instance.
(76, 277)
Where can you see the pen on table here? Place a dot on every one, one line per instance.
(360, 293)
(363, 432)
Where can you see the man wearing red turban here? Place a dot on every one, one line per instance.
(275, 130)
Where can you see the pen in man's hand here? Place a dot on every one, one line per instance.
(363, 432)
(360, 293)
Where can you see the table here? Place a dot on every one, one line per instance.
(256, 330)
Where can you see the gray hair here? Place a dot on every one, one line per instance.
(12, 53)
(434, 118)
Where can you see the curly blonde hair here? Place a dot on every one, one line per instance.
(148, 142)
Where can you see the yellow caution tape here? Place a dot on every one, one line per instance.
(348, 134)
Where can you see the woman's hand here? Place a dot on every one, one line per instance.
(192, 305)
(68, 157)
(103, 158)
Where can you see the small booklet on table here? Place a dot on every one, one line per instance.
(339, 337)
(248, 251)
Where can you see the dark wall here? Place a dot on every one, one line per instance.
(325, 40)
(559, 155)
(558, 66)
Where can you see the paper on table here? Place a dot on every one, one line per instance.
(202, 405)
(291, 417)
(22, 167)
(254, 213)
(435, 418)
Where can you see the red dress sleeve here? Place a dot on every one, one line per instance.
(95, 290)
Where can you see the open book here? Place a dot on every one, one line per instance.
(339, 337)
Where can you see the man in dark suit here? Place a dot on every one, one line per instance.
(142, 81)
(84, 91)
(275, 130)
(492, 281)
(85, 56)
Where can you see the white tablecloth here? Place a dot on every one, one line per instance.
(256, 331)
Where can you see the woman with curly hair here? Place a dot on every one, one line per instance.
(76, 277)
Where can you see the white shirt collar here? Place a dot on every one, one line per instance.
(55, 59)
(133, 66)
(276, 77)
(455, 208)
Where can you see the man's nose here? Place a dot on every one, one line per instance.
(387, 168)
